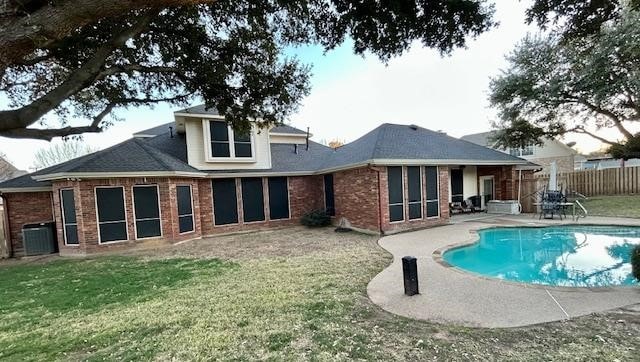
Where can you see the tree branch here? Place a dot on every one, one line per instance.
(607, 113)
(580, 129)
(52, 21)
(78, 80)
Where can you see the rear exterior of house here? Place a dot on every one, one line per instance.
(201, 178)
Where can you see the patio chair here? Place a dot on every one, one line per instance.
(455, 208)
(473, 204)
(551, 205)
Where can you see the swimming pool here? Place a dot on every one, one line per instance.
(569, 256)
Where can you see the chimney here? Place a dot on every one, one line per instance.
(171, 131)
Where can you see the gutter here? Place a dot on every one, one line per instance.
(7, 228)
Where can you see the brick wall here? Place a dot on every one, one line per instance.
(356, 197)
(505, 180)
(305, 194)
(564, 164)
(443, 218)
(26, 208)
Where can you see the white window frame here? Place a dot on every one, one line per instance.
(64, 223)
(193, 220)
(232, 150)
(404, 217)
(135, 219)
(426, 202)
(409, 203)
(126, 221)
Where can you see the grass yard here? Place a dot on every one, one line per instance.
(296, 294)
(621, 206)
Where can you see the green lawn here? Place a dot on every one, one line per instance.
(621, 206)
(294, 295)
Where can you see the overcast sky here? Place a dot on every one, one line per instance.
(351, 95)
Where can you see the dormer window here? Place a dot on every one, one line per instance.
(225, 144)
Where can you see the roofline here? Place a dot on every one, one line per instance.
(8, 190)
(202, 115)
(68, 175)
(289, 134)
(143, 135)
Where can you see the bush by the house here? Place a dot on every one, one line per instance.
(316, 218)
(635, 262)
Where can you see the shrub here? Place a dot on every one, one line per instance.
(316, 218)
(635, 262)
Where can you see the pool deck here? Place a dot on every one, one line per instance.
(450, 295)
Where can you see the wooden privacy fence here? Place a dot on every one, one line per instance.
(612, 181)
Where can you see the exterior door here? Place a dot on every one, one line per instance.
(457, 192)
(487, 190)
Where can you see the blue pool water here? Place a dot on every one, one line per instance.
(575, 256)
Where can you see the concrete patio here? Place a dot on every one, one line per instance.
(450, 295)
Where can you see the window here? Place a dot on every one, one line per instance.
(185, 209)
(252, 199)
(396, 191)
(525, 151)
(457, 185)
(225, 201)
(146, 209)
(433, 202)
(278, 198)
(112, 219)
(219, 139)
(222, 137)
(329, 197)
(69, 222)
(414, 179)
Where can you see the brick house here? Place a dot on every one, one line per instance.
(198, 177)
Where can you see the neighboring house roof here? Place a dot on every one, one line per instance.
(155, 131)
(199, 109)
(9, 171)
(286, 129)
(165, 154)
(481, 138)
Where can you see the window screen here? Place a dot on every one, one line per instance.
(278, 198)
(185, 208)
(147, 210)
(414, 179)
(329, 196)
(112, 219)
(242, 144)
(433, 203)
(396, 197)
(68, 206)
(225, 201)
(219, 139)
(457, 193)
(252, 199)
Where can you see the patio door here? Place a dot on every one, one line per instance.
(487, 190)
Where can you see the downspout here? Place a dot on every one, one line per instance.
(7, 231)
(519, 189)
(379, 202)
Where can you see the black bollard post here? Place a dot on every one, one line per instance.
(410, 273)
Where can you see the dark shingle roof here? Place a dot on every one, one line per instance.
(200, 109)
(402, 142)
(481, 139)
(24, 181)
(155, 131)
(283, 128)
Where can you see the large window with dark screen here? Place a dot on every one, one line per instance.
(329, 196)
(68, 206)
(433, 202)
(225, 201)
(112, 218)
(185, 209)
(278, 198)
(414, 180)
(219, 139)
(396, 193)
(457, 185)
(252, 199)
(146, 209)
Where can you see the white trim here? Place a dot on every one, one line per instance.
(10, 190)
(198, 115)
(426, 201)
(436, 162)
(193, 219)
(81, 175)
(295, 135)
(206, 132)
(64, 224)
(402, 193)
(421, 202)
(481, 188)
(135, 220)
(124, 204)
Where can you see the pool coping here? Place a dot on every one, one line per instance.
(438, 257)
